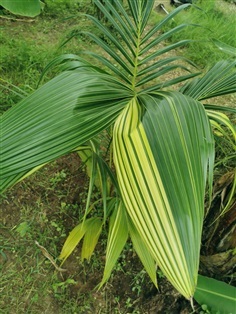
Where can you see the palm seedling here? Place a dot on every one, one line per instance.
(162, 140)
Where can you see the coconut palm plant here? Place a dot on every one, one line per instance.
(162, 139)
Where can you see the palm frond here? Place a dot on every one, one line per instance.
(214, 107)
(224, 126)
(159, 26)
(160, 72)
(218, 81)
(167, 83)
(141, 11)
(91, 237)
(161, 63)
(68, 62)
(163, 142)
(161, 161)
(56, 119)
(143, 253)
(130, 47)
(224, 47)
(160, 38)
(117, 237)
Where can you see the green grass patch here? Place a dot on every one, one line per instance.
(215, 22)
(28, 45)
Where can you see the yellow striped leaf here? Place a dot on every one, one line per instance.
(161, 160)
(117, 237)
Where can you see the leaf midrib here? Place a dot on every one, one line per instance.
(137, 50)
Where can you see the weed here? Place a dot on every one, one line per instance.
(204, 309)
(60, 287)
(57, 178)
(137, 283)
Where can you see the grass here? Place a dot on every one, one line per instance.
(215, 22)
(32, 44)
(28, 45)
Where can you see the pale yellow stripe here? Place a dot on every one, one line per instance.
(157, 237)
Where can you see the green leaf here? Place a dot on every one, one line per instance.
(141, 11)
(167, 83)
(217, 295)
(56, 119)
(99, 172)
(219, 123)
(225, 48)
(220, 108)
(160, 72)
(119, 45)
(111, 52)
(143, 253)
(23, 228)
(221, 119)
(157, 40)
(23, 7)
(132, 49)
(161, 160)
(117, 237)
(68, 62)
(218, 81)
(85, 153)
(160, 25)
(91, 228)
(89, 157)
(124, 28)
(94, 229)
(73, 240)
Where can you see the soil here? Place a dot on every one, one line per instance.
(123, 285)
(126, 292)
